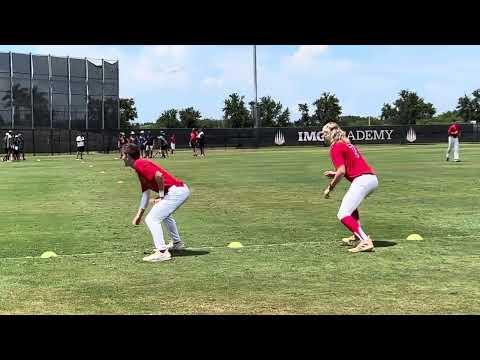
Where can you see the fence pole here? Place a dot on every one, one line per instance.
(33, 141)
(70, 141)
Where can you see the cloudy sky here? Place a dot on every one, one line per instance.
(362, 77)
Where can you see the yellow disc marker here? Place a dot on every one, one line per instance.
(48, 254)
(414, 237)
(235, 245)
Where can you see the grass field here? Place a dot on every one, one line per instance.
(270, 200)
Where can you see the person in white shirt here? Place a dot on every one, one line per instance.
(80, 145)
(7, 144)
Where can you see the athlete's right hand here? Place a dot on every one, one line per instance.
(326, 193)
(136, 220)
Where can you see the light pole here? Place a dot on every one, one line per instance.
(255, 85)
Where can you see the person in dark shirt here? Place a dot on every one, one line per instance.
(201, 142)
(141, 143)
(163, 144)
(149, 145)
(21, 146)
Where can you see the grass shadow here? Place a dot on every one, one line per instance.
(380, 243)
(188, 252)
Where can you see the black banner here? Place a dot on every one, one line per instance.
(63, 140)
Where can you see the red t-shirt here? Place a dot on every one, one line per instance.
(193, 136)
(454, 128)
(348, 155)
(172, 139)
(146, 170)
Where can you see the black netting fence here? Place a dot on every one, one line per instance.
(61, 141)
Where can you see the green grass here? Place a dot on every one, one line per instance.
(270, 200)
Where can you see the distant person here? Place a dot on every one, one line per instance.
(121, 142)
(15, 147)
(7, 141)
(149, 145)
(141, 143)
(163, 144)
(193, 141)
(453, 144)
(172, 193)
(80, 145)
(201, 142)
(133, 138)
(173, 142)
(21, 146)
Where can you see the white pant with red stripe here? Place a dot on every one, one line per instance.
(360, 188)
(162, 212)
(453, 144)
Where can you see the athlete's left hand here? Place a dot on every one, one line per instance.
(329, 173)
(136, 220)
(157, 200)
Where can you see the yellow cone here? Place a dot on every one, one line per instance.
(414, 237)
(48, 254)
(235, 245)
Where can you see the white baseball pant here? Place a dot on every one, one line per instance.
(360, 188)
(453, 144)
(162, 212)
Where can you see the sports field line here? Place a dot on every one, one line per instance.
(305, 243)
(275, 150)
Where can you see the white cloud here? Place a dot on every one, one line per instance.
(306, 54)
(155, 67)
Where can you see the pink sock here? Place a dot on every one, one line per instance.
(356, 215)
(352, 224)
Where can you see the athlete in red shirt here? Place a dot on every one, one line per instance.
(193, 141)
(349, 163)
(172, 193)
(453, 143)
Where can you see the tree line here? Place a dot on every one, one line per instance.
(408, 109)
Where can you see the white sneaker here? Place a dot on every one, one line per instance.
(176, 246)
(351, 241)
(158, 256)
